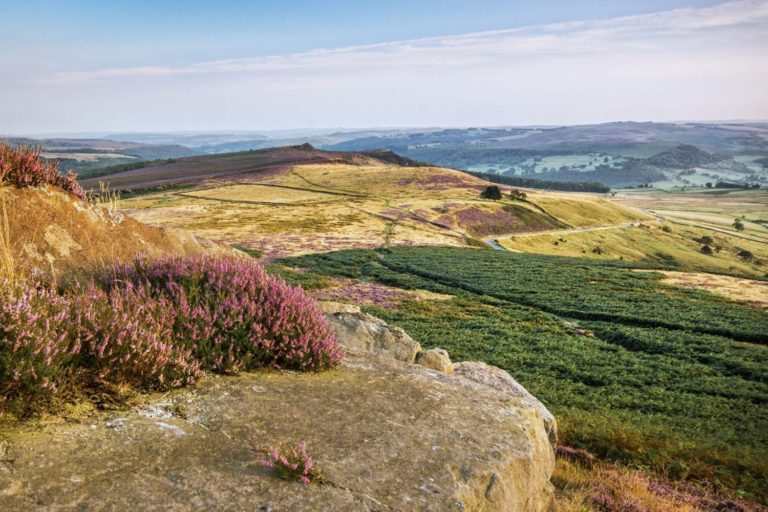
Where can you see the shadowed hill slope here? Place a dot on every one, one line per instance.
(250, 165)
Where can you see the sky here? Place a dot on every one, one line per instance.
(95, 66)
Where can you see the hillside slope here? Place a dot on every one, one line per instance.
(52, 232)
(298, 200)
(252, 165)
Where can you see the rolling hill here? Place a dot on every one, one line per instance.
(298, 199)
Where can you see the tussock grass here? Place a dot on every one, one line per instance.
(8, 273)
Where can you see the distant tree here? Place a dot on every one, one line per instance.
(491, 192)
(738, 225)
(746, 255)
(705, 249)
(518, 195)
(709, 184)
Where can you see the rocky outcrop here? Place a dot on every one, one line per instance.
(501, 381)
(387, 435)
(363, 334)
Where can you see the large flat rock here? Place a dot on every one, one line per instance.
(386, 436)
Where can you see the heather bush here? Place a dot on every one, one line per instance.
(36, 343)
(233, 315)
(155, 325)
(292, 463)
(127, 337)
(23, 167)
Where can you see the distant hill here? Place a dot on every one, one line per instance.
(683, 157)
(256, 164)
(614, 154)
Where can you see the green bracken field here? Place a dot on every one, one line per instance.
(654, 376)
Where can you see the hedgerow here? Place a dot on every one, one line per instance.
(23, 167)
(155, 325)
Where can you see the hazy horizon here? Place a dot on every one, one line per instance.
(125, 69)
(301, 131)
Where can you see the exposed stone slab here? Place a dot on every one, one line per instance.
(386, 437)
(364, 334)
(502, 381)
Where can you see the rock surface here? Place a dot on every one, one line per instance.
(500, 380)
(435, 359)
(386, 436)
(361, 333)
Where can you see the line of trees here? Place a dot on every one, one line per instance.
(517, 181)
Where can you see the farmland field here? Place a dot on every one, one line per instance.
(637, 371)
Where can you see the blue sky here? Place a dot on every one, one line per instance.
(93, 66)
(177, 32)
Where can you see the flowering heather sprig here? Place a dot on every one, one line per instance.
(23, 167)
(292, 463)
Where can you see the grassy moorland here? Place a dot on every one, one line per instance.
(638, 372)
(302, 208)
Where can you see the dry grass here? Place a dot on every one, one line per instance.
(580, 210)
(104, 197)
(323, 207)
(609, 488)
(8, 272)
(651, 242)
(604, 487)
(748, 291)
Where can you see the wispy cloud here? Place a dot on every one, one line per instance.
(694, 63)
(649, 32)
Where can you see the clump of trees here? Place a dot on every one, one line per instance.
(491, 192)
(746, 255)
(564, 186)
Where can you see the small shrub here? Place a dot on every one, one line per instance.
(491, 192)
(706, 240)
(518, 195)
(738, 225)
(23, 167)
(666, 229)
(705, 249)
(292, 463)
(746, 255)
(36, 344)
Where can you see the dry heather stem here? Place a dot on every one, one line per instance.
(7, 261)
(105, 197)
